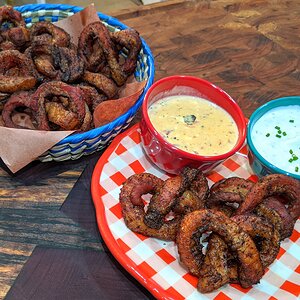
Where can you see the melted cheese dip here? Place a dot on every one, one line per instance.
(194, 124)
(276, 136)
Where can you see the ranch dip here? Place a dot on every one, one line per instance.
(194, 124)
(276, 136)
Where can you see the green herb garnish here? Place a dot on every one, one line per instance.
(297, 169)
(277, 135)
(291, 121)
(189, 119)
(268, 134)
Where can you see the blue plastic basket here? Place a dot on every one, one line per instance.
(79, 144)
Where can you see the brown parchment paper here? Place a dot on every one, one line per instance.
(19, 147)
(75, 23)
(109, 110)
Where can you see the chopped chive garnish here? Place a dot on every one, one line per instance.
(279, 131)
(291, 151)
(297, 169)
(277, 135)
(268, 134)
(284, 133)
(277, 127)
(291, 121)
(290, 160)
(295, 157)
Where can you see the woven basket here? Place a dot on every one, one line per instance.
(79, 144)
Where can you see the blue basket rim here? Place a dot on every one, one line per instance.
(93, 133)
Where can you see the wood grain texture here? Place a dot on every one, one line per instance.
(81, 268)
(30, 215)
(249, 48)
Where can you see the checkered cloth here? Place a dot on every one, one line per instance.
(157, 261)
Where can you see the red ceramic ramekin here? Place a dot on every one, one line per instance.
(165, 155)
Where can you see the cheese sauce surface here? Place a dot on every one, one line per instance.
(276, 136)
(194, 124)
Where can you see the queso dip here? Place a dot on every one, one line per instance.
(194, 124)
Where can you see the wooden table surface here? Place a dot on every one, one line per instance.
(50, 247)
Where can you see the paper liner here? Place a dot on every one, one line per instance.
(75, 23)
(19, 147)
(109, 110)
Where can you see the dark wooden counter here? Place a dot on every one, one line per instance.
(49, 244)
(251, 49)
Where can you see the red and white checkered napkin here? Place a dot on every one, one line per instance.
(158, 259)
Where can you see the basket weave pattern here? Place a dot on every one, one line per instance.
(79, 144)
